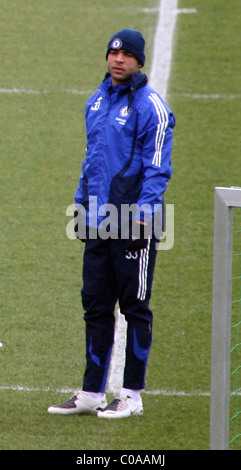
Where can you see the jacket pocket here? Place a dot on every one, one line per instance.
(125, 189)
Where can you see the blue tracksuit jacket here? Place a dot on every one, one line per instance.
(129, 142)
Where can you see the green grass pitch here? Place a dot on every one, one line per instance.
(52, 48)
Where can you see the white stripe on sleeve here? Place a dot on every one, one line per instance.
(161, 128)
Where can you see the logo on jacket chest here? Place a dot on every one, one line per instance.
(123, 114)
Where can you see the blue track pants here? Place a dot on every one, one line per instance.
(111, 274)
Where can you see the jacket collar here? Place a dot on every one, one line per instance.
(138, 80)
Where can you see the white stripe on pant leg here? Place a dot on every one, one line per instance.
(143, 265)
(141, 280)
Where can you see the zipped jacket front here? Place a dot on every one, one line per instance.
(129, 132)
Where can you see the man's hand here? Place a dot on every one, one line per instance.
(137, 241)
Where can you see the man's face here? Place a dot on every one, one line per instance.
(121, 65)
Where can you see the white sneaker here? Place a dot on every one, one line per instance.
(122, 407)
(80, 403)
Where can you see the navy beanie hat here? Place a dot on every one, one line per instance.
(129, 40)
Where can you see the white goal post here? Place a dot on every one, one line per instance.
(225, 200)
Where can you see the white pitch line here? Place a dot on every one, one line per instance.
(64, 390)
(200, 96)
(149, 10)
(163, 42)
(166, 393)
(44, 92)
(115, 375)
(23, 388)
(186, 11)
(212, 96)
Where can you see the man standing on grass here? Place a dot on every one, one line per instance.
(128, 163)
